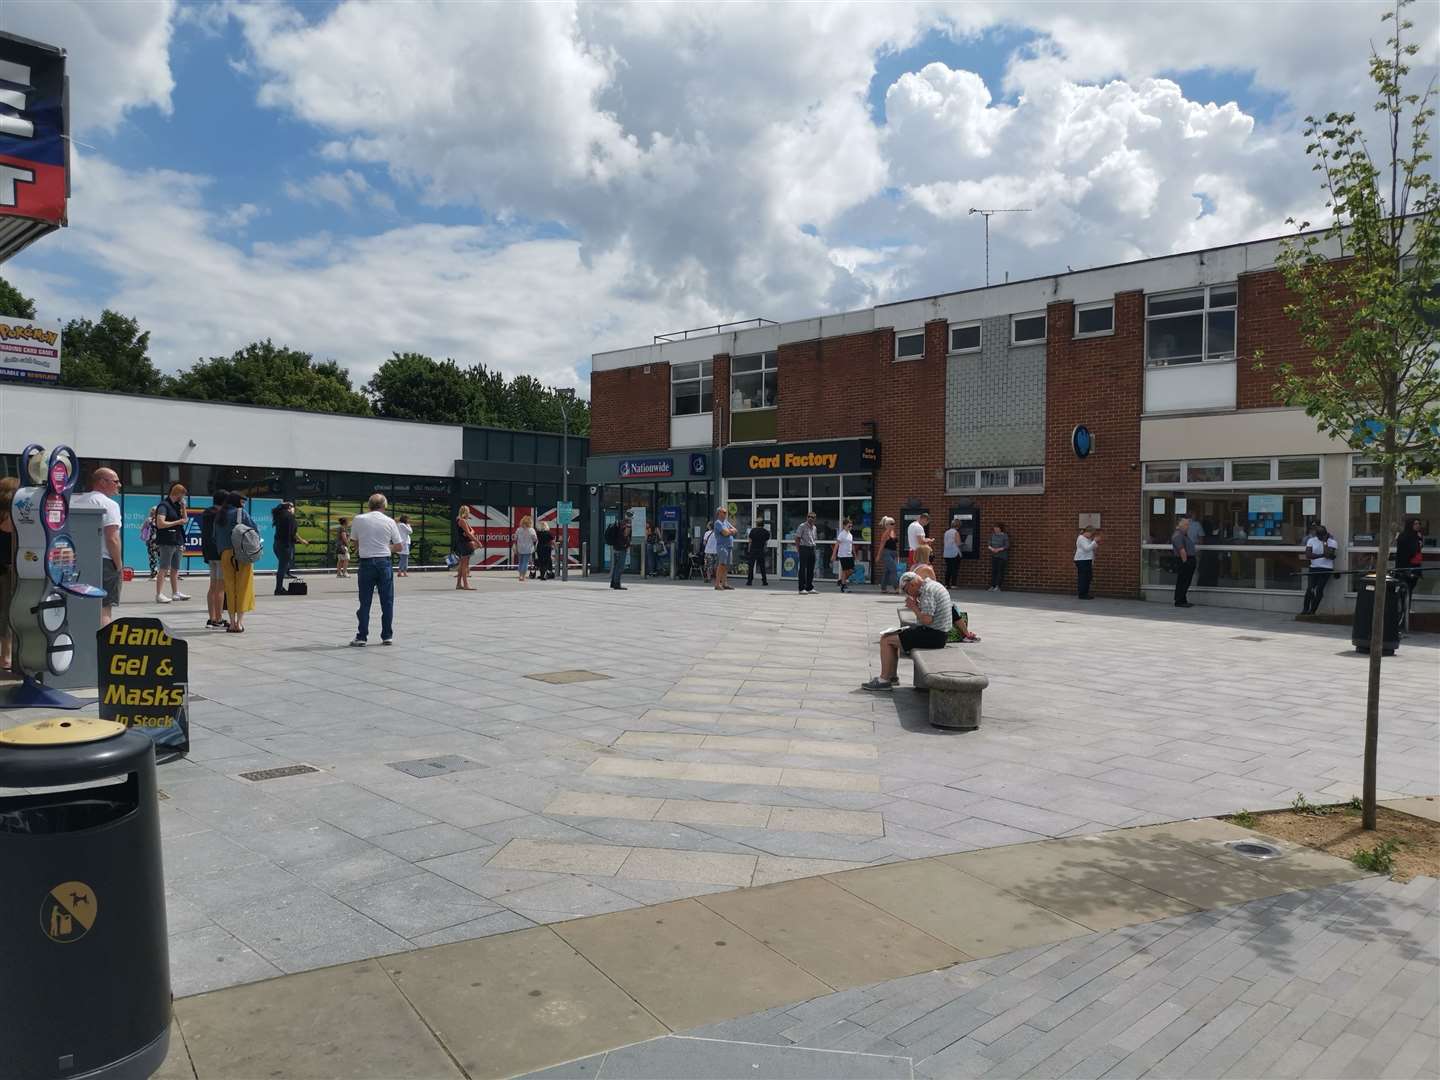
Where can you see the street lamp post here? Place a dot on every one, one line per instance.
(565, 397)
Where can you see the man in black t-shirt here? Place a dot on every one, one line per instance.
(759, 538)
(170, 543)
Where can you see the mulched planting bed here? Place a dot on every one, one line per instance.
(1336, 831)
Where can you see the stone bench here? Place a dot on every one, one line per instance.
(955, 683)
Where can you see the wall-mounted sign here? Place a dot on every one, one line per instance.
(699, 464)
(646, 468)
(144, 680)
(1081, 441)
(669, 515)
(34, 152)
(29, 351)
(796, 459)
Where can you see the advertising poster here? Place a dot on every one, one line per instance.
(29, 350)
(34, 153)
(495, 529)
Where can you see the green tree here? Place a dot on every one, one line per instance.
(14, 303)
(264, 373)
(112, 353)
(411, 386)
(1370, 316)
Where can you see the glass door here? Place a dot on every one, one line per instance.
(767, 515)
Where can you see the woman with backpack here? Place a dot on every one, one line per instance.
(238, 573)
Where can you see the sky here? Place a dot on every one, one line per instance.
(522, 185)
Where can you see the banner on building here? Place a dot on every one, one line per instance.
(28, 350)
(495, 527)
(34, 148)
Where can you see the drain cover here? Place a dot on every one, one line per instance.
(1246, 637)
(275, 774)
(435, 766)
(561, 677)
(1254, 849)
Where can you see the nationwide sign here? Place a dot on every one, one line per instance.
(641, 468)
(29, 351)
(794, 459)
(34, 152)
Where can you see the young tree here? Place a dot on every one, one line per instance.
(1366, 305)
(14, 303)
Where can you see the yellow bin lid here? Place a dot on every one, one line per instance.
(61, 731)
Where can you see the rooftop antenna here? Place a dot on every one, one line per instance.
(986, 215)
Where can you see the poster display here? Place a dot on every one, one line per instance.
(1265, 516)
(144, 680)
(29, 351)
(494, 528)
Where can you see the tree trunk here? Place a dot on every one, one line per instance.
(1388, 497)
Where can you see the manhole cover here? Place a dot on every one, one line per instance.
(435, 766)
(1246, 637)
(560, 677)
(275, 774)
(1254, 849)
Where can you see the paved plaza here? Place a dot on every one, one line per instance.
(727, 745)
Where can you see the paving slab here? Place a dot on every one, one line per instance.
(347, 1021)
(713, 1059)
(973, 915)
(687, 965)
(1427, 807)
(834, 935)
(516, 1002)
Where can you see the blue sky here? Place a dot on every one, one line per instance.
(444, 177)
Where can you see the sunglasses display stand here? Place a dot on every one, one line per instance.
(47, 579)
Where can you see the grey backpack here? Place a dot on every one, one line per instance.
(246, 542)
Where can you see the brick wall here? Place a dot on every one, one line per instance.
(630, 409)
(720, 415)
(828, 388)
(1264, 326)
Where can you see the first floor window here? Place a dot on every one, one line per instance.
(1190, 327)
(1095, 319)
(691, 388)
(753, 382)
(910, 345)
(965, 337)
(1027, 329)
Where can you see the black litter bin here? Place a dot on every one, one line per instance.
(84, 966)
(1395, 598)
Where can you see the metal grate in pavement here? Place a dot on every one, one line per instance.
(1253, 849)
(435, 766)
(275, 774)
(561, 677)
(1247, 637)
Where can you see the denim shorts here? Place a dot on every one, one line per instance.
(215, 574)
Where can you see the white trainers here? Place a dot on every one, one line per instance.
(179, 596)
(162, 599)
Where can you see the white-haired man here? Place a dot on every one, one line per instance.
(377, 537)
(930, 601)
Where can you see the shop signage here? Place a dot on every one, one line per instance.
(29, 351)
(144, 680)
(794, 459)
(670, 515)
(645, 468)
(1081, 441)
(699, 464)
(564, 513)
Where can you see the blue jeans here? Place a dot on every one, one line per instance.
(375, 574)
(284, 563)
(889, 570)
(618, 558)
(522, 562)
(404, 562)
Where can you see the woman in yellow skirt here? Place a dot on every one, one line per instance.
(239, 576)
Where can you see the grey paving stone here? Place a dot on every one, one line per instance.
(417, 905)
(704, 1059)
(429, 842)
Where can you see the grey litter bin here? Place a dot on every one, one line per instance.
(1395, 598)
(84, 965)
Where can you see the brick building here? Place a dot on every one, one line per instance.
(969, 403)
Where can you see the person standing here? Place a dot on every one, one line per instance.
(950, 549)
(724, 546)
(889, 557)
(999, 555)
(170, 543)
(1085, 545)
(1183, 546)
(805, 551)
(845, 554)
(465, 545)
(916, 536)
(215, 594)
(1320, 551)
(377, 537)
(758, 542)
(152, 543)
(8, 487)
(406, 532)
(239, 576)
(544, 551)
(342, 547)
(524, 546)
(287, 535)
(104, 486)
(1410, 553)
(617, 536)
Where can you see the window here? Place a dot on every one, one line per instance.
(1026, 478)
(1299, 468)
(910, 345)
(1190, 327)
(964, 337)
(1205, 472)
(1027, 329)
(691, 389)
(1251, 470)
(753, 382)
(1095, 319)
(1238, 517)
(1162, 472)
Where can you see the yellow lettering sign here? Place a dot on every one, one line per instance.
(154, 696)
(120, 634)
(120, 664)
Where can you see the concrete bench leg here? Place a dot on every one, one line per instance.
(956, 708)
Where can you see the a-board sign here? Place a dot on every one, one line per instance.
(144, 680)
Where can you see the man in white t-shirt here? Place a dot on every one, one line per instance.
(104, 486)
(376, 538)
(1320, 552)
(845, 554)
(916, 535)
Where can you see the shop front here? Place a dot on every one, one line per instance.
(671, 493)
(778, 484)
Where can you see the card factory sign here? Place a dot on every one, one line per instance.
(792, 459)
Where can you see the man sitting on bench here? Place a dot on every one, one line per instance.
(930, 601)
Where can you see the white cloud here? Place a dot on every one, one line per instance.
(342, 189)
(118, 53)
